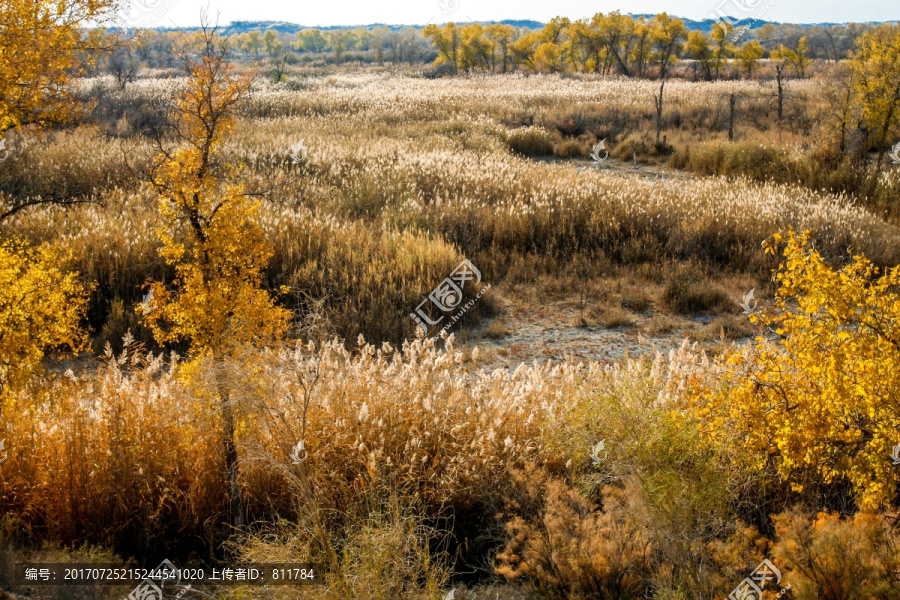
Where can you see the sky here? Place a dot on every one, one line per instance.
(161, 13)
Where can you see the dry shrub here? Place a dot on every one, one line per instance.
(451, 187)
(736, 555)
(636, 301)
(71, 166)
(659, 325)
(401, 419)
(727, 327)
(572, 149)
(822, 167)
(497, 329)
(129, 456)
(739, 158)
(609, 317)
(683, 493)
(571, 126)
(368, 279)
(391, 553)
(834, 558)
(530, 141)
(690, 292)
(565, 546)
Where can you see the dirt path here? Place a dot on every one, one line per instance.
(557, 331)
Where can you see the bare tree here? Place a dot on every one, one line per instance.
(123, 64)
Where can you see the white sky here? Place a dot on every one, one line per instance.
(419, 12)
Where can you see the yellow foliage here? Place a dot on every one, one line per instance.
(749, 56)
(548, 57)
(40, 309)
(210, 232)
(875, 64)
(824, 398)
(42, 45)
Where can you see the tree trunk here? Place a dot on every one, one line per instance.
(780, 93)
(883, 138)
(732, 100)
(659, 109)
(229, 447)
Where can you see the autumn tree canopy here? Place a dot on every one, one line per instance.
(40, 309)
(211, 236)
(876, 68)
(822, 398)
(42, 45)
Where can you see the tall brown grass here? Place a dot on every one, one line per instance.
(420, 467)
(393, 194)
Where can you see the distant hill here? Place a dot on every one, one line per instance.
(291, 28)
(284, 27)
(707, 24)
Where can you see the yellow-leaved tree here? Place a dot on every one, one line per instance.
(875, 64)
(212, 239)
(40, 310)
(447, 41)
(43, 44)
(821, 401)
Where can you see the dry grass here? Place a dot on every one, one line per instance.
(395, 191)
(132, 451)
(420, 466)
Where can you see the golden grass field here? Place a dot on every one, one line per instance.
(453, 462)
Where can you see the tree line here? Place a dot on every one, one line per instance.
(617, 44)
(610, 43)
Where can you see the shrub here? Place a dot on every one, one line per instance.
(383, 418)
(636, 301)
(830, 558)
(570, 149)
(571, 126)
(41, 307)
(817, 401)
(688, 293)
(390, 553)
(73, 168)
(571, 549)
(728, 327)
(530, 141)
(680, 491)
